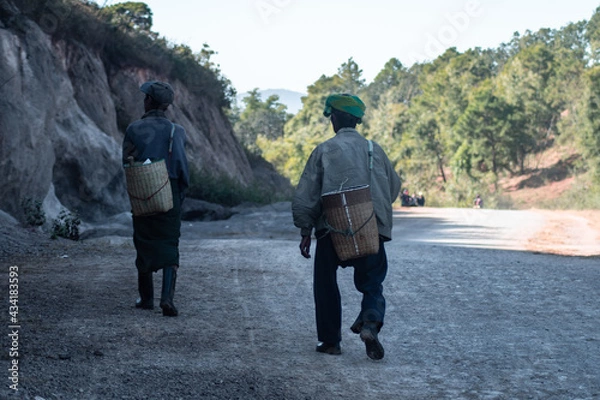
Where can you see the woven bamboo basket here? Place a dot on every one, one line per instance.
(149, 188)
(351, 221)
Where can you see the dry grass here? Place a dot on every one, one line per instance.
(549, 184)
(569, 233)
(548, 180)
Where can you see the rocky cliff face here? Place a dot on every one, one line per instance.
(63, 110)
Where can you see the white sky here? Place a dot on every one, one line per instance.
(289, 44)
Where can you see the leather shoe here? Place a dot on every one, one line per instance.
(329, 348)
(357, 325)
(144, 304)
(368, 334)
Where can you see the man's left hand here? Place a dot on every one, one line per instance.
(305, 246)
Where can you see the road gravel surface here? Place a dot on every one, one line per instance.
(481, 304)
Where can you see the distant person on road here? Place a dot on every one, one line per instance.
(420, 198)
(478, 202)
(343, 160)
(156, 237)
(406, 200)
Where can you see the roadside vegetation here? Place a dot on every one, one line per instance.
(122, 34)
(464, 123)
(461, 124)
(227, 191)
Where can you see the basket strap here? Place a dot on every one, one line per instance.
(171, 144)
(171, 138)
(370, 155)
(153, 194)
(348, 232)
(169, 162)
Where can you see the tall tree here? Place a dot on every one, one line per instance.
(309, 127)
(351, 77)
(589, 138)
(388, 99)
(395, 77)
(260, 118)
(592, 34)
(523, 84)
(486, 132)
(445, 86)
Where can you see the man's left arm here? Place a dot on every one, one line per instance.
(128, 148)
(182, 168)
(393, 178)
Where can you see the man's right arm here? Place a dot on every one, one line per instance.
(306, 205)
(128, 147)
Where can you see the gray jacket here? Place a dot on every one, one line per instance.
(342, 162)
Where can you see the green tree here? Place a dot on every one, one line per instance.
(395, 81)
(131, 15)
(523, 84)
(568, 46)
(387, 123)
(309, 127)
(592, 34)
(388, 98)
(485, 132)
(589, 138)
(445, 86)
(260, 118)
(351, 77)
(187, 65)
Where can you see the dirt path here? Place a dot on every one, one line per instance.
(570, 233)
(472, 313)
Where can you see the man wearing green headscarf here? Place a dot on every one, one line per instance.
(342, 162)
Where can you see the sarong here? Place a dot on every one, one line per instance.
(156, 237)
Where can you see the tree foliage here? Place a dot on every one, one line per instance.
(259, 118)
(461, 122)
(453, 125)
(122, 36)
(131, 15)
(309, 127)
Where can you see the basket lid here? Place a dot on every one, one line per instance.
(349, 189)
(142, 164)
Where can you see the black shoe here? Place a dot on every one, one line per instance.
(368, 334)
(144, 304)
(146, 290)
(329, 348)
(168, 291)
(357, 325)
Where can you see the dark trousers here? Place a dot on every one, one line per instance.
(369, 273)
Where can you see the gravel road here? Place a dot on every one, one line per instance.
(480, 306)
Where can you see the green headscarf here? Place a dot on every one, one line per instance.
(347, 103)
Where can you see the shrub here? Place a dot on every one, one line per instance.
(33, 212)
(583, 195)
(123, 43)
(227, 191)
(66, 225)
(461, 192)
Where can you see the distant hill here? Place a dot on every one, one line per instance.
(288, 97)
